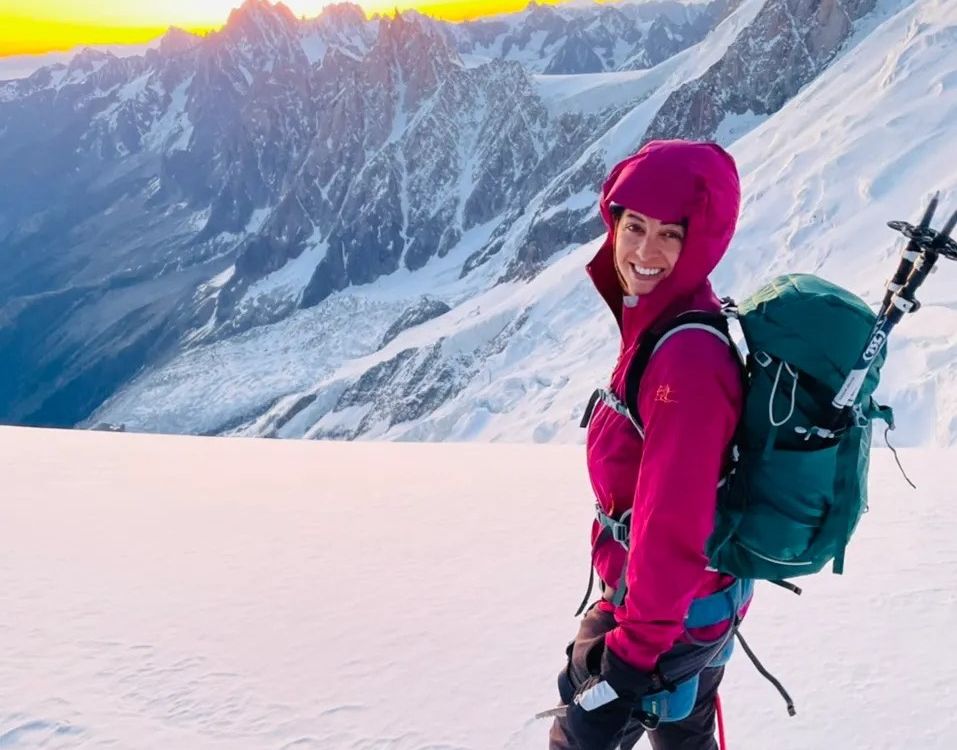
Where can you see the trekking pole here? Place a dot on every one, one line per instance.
(908, 255)
(918, 259)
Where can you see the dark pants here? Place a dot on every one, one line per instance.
(694, 733)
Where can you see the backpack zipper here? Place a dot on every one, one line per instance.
(770, 559)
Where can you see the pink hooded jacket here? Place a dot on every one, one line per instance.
(690, 401)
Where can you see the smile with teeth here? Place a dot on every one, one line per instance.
(649, 272)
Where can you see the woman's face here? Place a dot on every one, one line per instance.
(646, 251)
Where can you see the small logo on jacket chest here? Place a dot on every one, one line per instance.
(664, 395)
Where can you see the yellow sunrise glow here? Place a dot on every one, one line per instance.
(33, 26)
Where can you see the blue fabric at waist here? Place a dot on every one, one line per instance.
(720, 606)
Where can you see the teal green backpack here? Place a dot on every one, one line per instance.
(797, 485)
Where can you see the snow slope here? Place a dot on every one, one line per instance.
(248, 594)
(823, 177)
(594, 92)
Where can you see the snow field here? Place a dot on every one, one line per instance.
(237, 593)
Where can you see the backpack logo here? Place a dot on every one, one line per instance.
(874, 348)
(663, 396)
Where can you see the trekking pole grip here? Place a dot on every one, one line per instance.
(918, 259)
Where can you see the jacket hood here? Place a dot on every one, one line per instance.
(672, 181)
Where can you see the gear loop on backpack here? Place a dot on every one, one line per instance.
(774, 389)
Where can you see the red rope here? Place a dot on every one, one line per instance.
(717, 707)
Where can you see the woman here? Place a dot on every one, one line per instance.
(671, 211)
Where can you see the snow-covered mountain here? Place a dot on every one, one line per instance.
(23, 66)
(351, 228)
(802, 37)
(589, 39)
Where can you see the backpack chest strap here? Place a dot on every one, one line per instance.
(608, 397)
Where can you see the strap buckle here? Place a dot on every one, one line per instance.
(729, 308)
(620, 533)
(620, 529)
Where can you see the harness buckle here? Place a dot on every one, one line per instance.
(620, 530)
(620, 533)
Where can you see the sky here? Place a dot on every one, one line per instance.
(36, 26)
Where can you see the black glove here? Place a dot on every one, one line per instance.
(584, 660)
(605, 703)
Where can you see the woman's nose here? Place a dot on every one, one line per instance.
(644, 248)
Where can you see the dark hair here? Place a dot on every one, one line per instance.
(617, 210)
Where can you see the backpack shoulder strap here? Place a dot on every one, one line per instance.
(695, 320)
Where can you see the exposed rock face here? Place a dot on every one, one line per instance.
(570, 40)
(412, 384)
(576, 55)
(787, 46)
(426, 310)
(177, 42)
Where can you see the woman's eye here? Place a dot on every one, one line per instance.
(674, 236)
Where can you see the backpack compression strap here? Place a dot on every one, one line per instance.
(714, 323)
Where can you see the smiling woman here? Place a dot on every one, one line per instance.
(654, 458)
(646, 249)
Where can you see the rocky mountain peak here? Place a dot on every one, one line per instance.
(176, 41)
(261, 36)
(610, 17)
(543, 18)
(540, 11)
(88, 58)
(411, 43)
(259, 20)
(342, 16)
